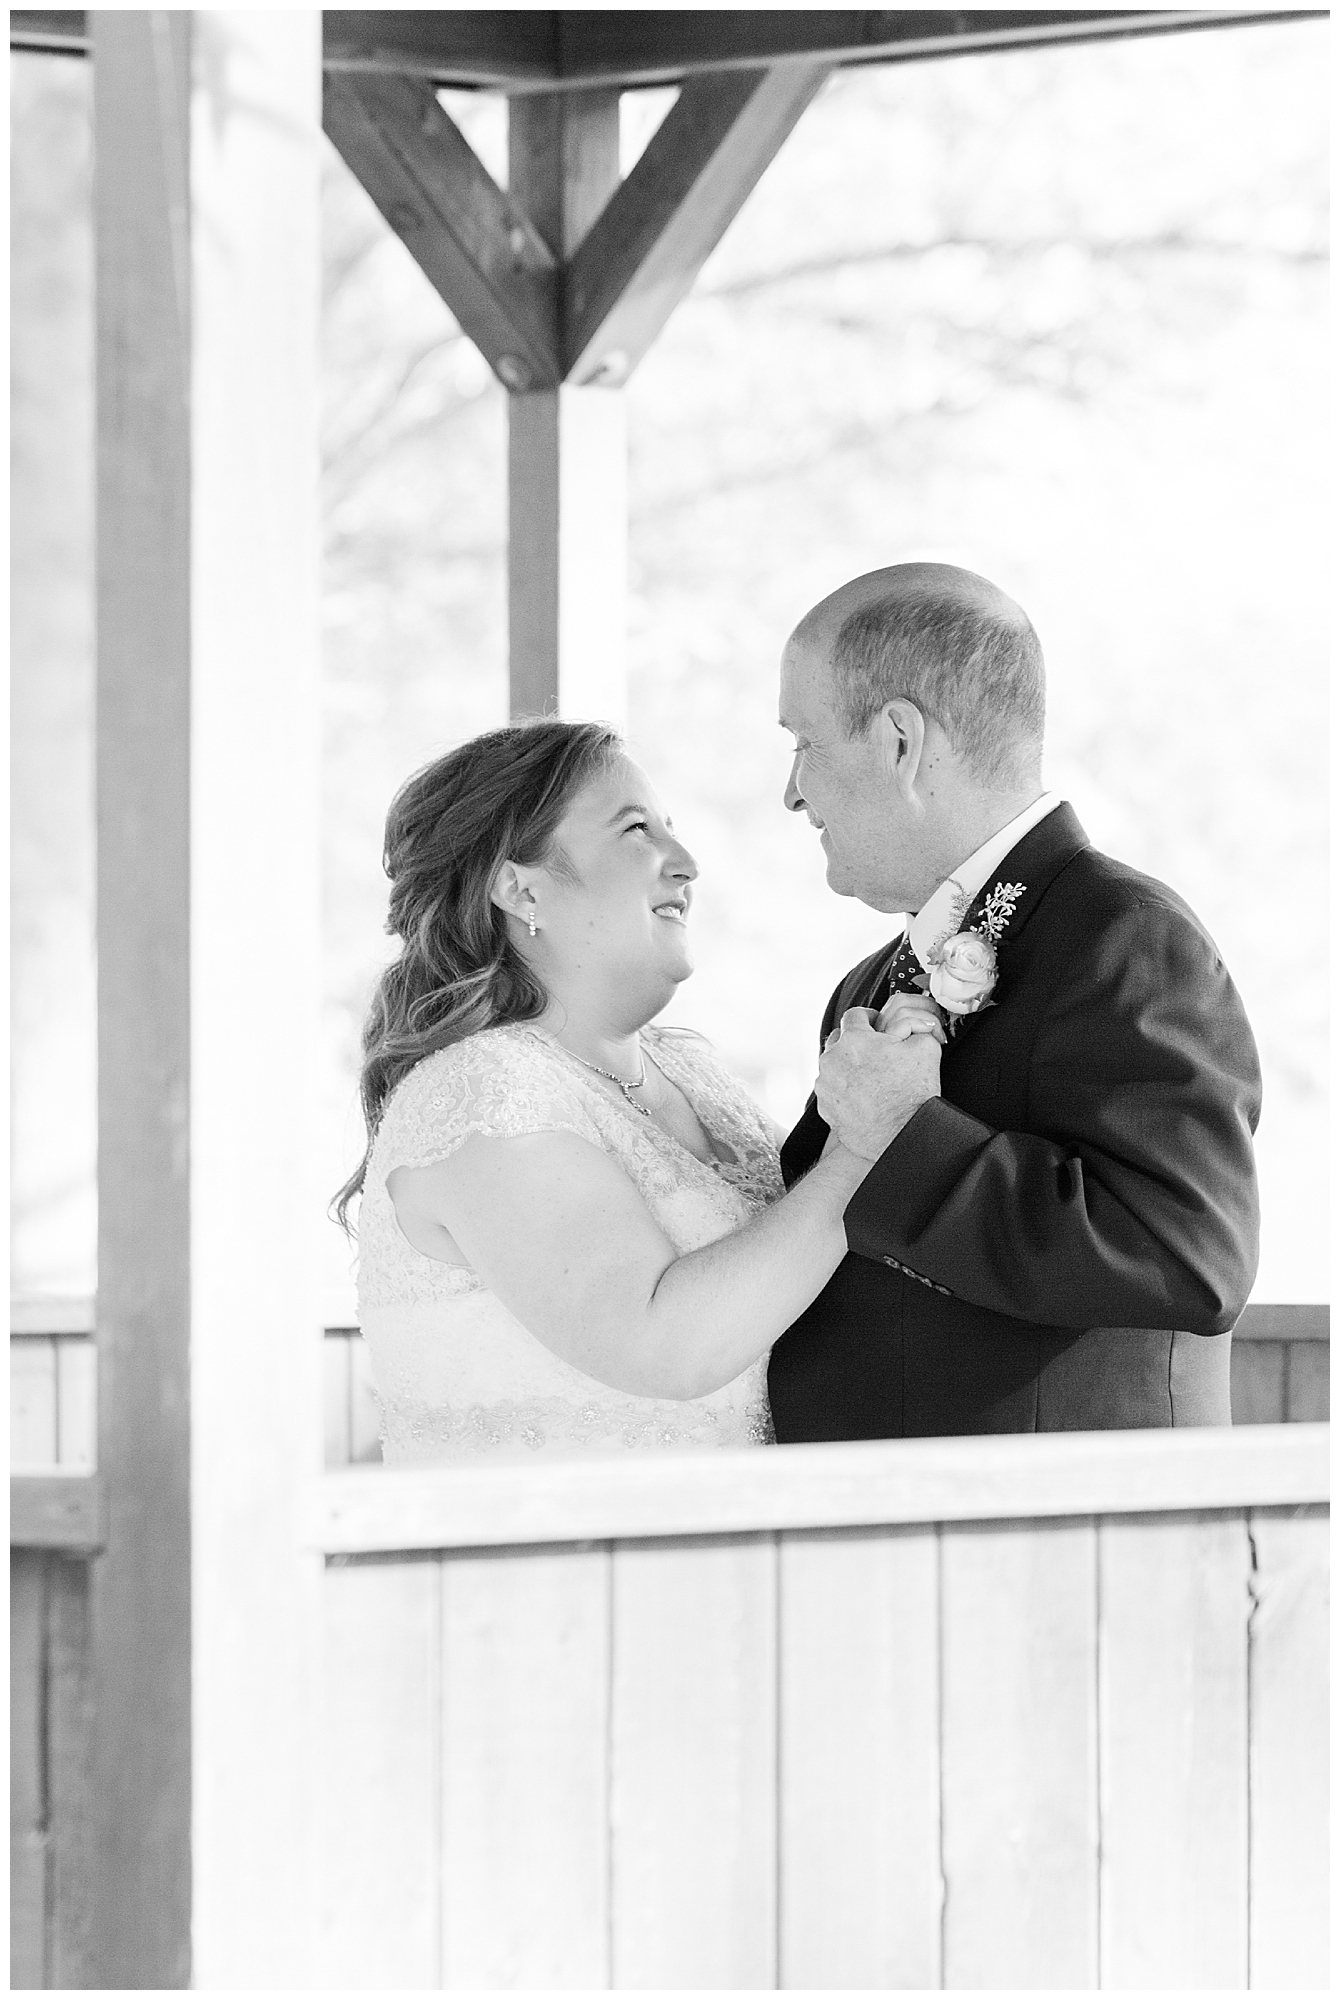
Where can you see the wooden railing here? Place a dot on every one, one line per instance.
(984, 1711)
(1007, 1712)
(1280, 1374)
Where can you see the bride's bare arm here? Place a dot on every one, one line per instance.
(558, 1231)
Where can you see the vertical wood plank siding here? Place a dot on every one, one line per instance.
(525, 1770)
(821, 1759)
(379, 1810)
(693, 1763)
(1290, 1832)
(1174, 1606)
(1003, 1754)
(860, 1881)
(1018, 1758)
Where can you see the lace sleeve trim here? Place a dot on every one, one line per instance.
(495, 1086)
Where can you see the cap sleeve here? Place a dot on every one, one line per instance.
(497, 1085)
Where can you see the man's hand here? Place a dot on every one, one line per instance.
(871, 1083)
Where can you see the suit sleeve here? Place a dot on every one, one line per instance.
(1131, 1200)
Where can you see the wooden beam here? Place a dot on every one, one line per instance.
(658, 230)
(477, 248)
(567, 448)
(573, 50)
(140, 1894)
(666, 46)
(567, 485)
(484, 48)
(563, 162)
(53, 31)
(1029, 1477)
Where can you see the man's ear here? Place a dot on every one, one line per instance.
(900, 729)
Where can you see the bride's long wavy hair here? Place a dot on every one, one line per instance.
(451, 826)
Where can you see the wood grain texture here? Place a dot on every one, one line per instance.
(1173, 1665)
(655, 234)
(552, 50)
(859, 1867)
(693, 1754)
(525, 1778)
(141, 1613)
(666, 44)
(1256, 1381)
(32, 1404)
(379, 1778)
(822, 1486)
(1290, 1830)
(478, 249)
(548, 49)
(563, 161)
(1020, 1778)
(27, 1769)
(71, 1942)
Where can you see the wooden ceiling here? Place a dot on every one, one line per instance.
(569, 49)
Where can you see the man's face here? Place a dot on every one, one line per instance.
(844, 786)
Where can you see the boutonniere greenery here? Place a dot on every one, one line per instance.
(962, 972)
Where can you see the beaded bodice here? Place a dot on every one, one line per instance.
(456, 1373)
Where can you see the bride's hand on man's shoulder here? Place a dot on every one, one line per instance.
(873, 1079)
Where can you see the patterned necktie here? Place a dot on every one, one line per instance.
(900, 975)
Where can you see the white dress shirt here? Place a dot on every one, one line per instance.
(943, 911)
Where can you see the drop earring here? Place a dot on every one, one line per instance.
(530, 919)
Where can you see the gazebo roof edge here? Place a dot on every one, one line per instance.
(560, 49)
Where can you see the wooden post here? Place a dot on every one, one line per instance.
(140, 1888)
(257, 1201)
(203, 1613)
(567, 447)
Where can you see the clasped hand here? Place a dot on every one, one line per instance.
(877, 1069)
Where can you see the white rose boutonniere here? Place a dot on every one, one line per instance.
(964, 973)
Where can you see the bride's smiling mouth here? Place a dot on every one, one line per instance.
(674, 912)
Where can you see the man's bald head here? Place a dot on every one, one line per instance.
(946, 640)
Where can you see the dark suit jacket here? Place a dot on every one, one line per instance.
(1064, 1238)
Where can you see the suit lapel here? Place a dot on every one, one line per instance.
(1031, 866)
(1035, 863)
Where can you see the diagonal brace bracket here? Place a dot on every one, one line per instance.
(540, 320)
(476, 246)
(660, 226)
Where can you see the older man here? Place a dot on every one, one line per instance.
(1060, 1226)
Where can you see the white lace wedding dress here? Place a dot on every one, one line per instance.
(456, 1375)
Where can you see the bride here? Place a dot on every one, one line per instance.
(572, 1232)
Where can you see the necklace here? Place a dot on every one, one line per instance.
(626, 1088)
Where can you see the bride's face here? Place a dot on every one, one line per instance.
(615, 896)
